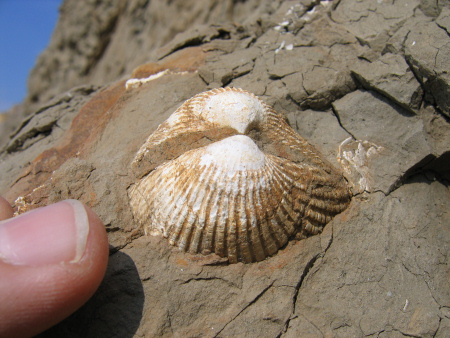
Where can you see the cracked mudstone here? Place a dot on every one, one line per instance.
(365, 82)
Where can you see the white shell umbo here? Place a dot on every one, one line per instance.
(226, 174)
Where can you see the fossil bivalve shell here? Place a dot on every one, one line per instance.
(226, 174)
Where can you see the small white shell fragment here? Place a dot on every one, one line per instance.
(281, 47)
(354, 156)
(325, 3)
(135, 83)
(225, 174)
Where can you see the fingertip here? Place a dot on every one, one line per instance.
(97, 247)
(37, 297)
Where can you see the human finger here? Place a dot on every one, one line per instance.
(51, 262)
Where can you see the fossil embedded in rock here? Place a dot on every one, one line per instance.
(226, 174)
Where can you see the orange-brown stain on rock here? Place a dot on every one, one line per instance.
(86, 128)
(351, 212)
(185, 60)
(181, 262)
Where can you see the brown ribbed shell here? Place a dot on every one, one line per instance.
(239, 185)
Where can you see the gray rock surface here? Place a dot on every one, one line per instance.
(349, 79)
(398, 138)
(389, 265)
(93, 52)
(391, 77)
(427, 50)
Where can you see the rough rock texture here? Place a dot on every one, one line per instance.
(120, 35)
(391, 77)
(366, 82)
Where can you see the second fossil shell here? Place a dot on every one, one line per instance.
(246, 185)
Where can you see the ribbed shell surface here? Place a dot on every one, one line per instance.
(230, 196)
(243, 214)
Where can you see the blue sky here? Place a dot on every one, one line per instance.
(25, 30)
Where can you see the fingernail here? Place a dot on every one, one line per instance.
(50, 235)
